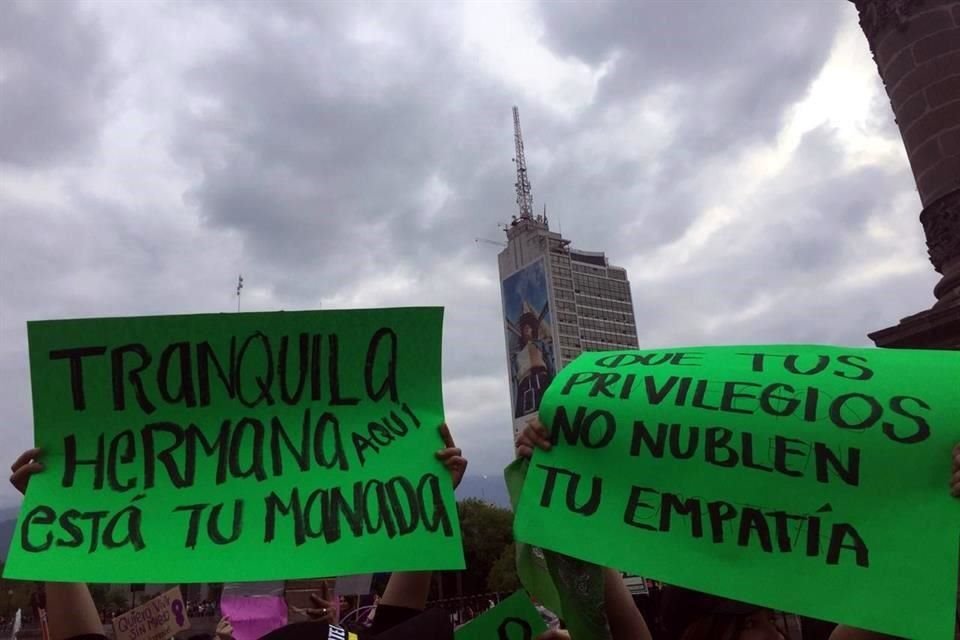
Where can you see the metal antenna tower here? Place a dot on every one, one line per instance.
(524, 192)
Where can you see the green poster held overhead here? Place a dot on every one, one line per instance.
(238, 447)
(513, 619)
(570, 588)
(809, 479)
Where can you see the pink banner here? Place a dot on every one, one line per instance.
(254, 616)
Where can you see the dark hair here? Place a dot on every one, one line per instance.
(714, 626)
(529, 320)
(691, 615)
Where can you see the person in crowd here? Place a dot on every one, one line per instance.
(372, 613)
(223, 631)
(72, 614)
(623, 617)
(688, 615)
(323, 609)
(345, 605)
(400, 611)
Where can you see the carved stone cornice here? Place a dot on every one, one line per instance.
(941, 225)
(879, 16)
(931, 329)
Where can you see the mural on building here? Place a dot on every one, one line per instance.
(530, 348)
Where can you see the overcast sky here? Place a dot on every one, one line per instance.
(740, 159)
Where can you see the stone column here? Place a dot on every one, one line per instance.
(916, 45)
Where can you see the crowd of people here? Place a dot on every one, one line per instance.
(400, 612)
(7, 623)
(107, 614)
(201, 609)
(194, 609)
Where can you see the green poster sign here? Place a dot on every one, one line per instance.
(570, 588)
(237, 447)
(513, 619)
(809, 479)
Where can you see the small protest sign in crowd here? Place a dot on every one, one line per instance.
(750, 482)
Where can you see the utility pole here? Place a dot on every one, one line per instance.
(239, 288)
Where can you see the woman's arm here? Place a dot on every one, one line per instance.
(843, 632)
(71, 611)
(410, 589)
(70, 608)
(625, 620)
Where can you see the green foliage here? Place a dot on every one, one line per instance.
(487, 532)
(503, 574)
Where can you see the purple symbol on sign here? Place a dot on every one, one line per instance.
(177, 607)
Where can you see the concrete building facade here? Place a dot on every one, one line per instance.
(557, 303)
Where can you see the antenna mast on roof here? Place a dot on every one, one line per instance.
(524, 192)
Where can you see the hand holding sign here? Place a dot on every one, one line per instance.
(533, 436)
(23, 467)
(452, 456)
(323, 608)
(157, 619)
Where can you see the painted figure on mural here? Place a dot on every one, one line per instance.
(532, 362)
(530, 340)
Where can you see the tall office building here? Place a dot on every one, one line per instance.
(557, 301)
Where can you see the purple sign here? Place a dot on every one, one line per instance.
(254, 616)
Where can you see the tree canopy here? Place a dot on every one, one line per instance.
(487, 542)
